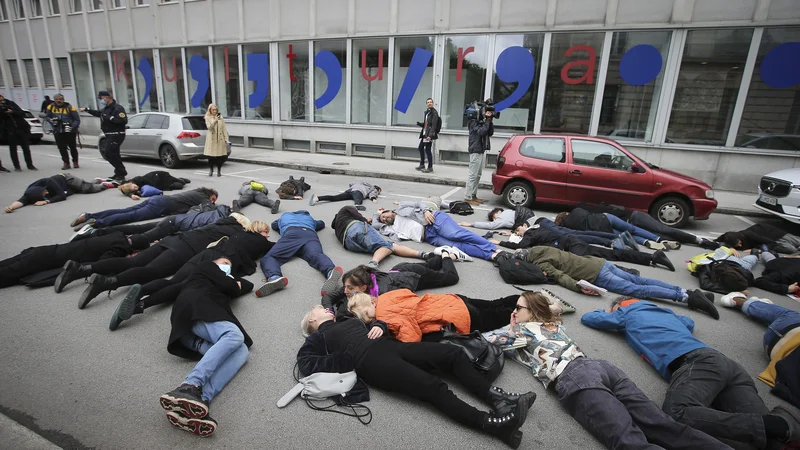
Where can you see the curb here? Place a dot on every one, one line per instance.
(744, 212)
(18, 436)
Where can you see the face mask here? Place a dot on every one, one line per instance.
(103, 103)
(225, 268)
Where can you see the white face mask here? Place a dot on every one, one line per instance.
(225, 268)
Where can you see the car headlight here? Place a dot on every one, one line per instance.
(710, 194)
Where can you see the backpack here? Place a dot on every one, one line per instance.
(516, 271)
(438, 124)
(461, 208)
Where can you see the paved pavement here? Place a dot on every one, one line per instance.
(71, 380)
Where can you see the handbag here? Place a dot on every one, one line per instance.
(336, 387)
(228, 146)
(486, 357)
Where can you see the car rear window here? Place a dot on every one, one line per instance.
(194, 123)
(548, 149)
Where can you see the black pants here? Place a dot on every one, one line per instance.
(23, 140)
(152, 231)
(405, 367)
(151, 264)
(164, 290)
(66, 141)
(216, 161)
(355, 196)
(113, 144)
(425, 149)
(647, 222)
(488, 315)
(579, 247)
(434, 273)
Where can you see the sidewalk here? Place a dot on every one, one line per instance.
(735, 203)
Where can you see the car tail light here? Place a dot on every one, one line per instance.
(188, 135)
(500, 162)
(36, 121)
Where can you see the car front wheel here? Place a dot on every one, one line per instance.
(169, 157)
(518, 193)
(671, 211)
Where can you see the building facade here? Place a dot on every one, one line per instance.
(709, 88)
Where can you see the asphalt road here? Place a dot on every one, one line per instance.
(68, 377)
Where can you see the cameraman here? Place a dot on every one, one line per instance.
(480, 130)
(65, 121)
(17, 131)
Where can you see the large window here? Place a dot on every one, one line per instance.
(413, 79)
(370, 75)
(16, 78)
(172, 80)
(3, 11)
(464, 77)
(599, 154)
(633, 84)
(771, 116)
(83, 81)
(708, 84)
(294, 81)
(102, 77)
(123, 81)
(513, 79)
(330, 94)
(63, 72)
(226, 81)
(144, 69)
(30, 73)
(571, 78)
(75, 6)
(47, 72)
(199, 79)
(257, 95)
(95, 5)
(36, 8)
(54, 8)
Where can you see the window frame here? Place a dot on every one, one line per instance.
(593, 142)
(542, 138)
(73, 10)
(164, 118)
(33, 8)
(19, 9)
(4, 16)
(53, 8)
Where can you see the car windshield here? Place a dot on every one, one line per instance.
(194, 123)
(28, 115)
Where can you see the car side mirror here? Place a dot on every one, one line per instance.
(636, 168)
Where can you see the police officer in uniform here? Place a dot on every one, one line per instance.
(112, 121)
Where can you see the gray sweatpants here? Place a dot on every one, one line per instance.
(474, 177)
(248, 196)
(80, 186)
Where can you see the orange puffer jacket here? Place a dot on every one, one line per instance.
(409, 316)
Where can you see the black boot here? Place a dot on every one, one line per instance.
(72, 271)
(506, 427)
(699, 301)
(210, 171)
(97, 284)
(275, 206)
(235, 206)
(660, 257)
(185, 180)
(129, 306)
(708, 244)
(504, 402)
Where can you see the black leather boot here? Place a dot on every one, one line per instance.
(506, 427)
(97, 284)
(504, 402)
(72, 271)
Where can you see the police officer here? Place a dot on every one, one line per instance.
(112, 122)
(65, 121)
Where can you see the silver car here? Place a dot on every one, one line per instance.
(172, 138)
(779, 194)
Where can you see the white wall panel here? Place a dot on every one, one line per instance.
(98, 32)
(784, 9)
(23, 43)
(256, 19)
(39, 38)
(332, 17)
(716, 10)
(197, 22)
(170, 21)
(522, 13)
(476, 16)
(577, 12)
(226, 19)
(57, 42)
(144, 27)
(294, 18)
(120, 33)
(644, 11)
(6, 42)
(373, 16)
(77, 32)
(415, 15)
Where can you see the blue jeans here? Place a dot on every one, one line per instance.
(362, 238)
(224, 353)
(152, 208)
(621, 282)
(445, 231)
(777, 317)
(639, 234)
(299, 241)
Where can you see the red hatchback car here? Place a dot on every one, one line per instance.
(569, 170)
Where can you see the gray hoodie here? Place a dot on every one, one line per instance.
(367, 190)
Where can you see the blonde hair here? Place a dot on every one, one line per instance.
(243, 221)
(357, 305)
(127, 188)
(208, 111)
(305, 325)
(257, 227)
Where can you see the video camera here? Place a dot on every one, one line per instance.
(477, 110)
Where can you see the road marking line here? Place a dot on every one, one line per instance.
(253, 170)
(238, 176)
(747, 221)
(451, 192)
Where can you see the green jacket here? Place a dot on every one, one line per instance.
(566, 268)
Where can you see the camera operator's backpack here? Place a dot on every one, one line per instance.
(438, 124)
(461, 208)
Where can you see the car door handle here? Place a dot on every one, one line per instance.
(575, 172)
(158, 134)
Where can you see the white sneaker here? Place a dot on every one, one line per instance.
(438, 250)
(460, 256)
(727, 299)
(762, 300)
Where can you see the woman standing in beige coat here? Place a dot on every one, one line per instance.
(216, 148)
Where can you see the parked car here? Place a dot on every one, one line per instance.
(769, 141)
(567, 169)
(172, 138)
(779, 194)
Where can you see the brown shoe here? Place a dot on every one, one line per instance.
(480, 201)
(473, 202)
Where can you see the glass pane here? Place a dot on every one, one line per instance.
(569, 96)
(172, 80)
(464, 78)
(226, 80)
(199, 80)
(54, 8)
(100, 71)
(137, 121)
(258, 98)
(47, 72)
(771, 116)
(123, 81)
(83, 83)
(329, 78)
(633, 84)
(370, 66)
(157, 122)
(63, 71)
(294, 82)
(519, 115)
(599, 154)
(146, 80)
(708, 83)
(548, 149)
(36, 8)
(75, 6)
(30, 73)
(417, 80)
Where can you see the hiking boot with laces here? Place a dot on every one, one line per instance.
(504, 402)
(186, 399)
(506, 427)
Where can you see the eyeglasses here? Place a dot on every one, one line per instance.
(518, 307)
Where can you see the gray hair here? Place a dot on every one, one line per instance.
(58, 95)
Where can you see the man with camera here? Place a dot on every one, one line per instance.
(112, 122)
(17, 131)
(65, 121)
(480, 130)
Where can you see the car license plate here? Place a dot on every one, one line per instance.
(768, 200)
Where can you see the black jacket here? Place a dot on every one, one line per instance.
(387, 282)
(12, 119)
(66, 113)
(337, 346)
(343, 218)
(183, 202)
(159, 179)
(197, 240)
(582, 220)
(112, 118)
(429, 124)
(535, 236)
(479, 136)
(753, 237)
(703, 274)
(300, 187)
(618, 211)
(205, 296)
(57, 190)
(779, 274)
(243, 249)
